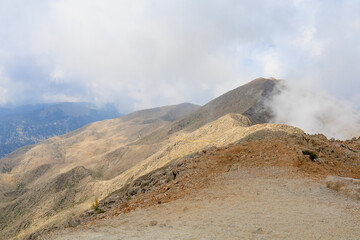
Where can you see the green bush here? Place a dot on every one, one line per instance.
(95, 206)
(312, 155)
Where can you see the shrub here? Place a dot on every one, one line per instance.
(95, 206)
(312, 155)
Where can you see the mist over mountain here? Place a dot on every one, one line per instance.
(249, 100)
(29, 124)
(314, 111)
(184, 119)
(44, 184)
(101, 157)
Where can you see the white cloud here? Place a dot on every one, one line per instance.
(3, 90)
(315, 111)
(60, 98)
(148, 53)
(57, 75)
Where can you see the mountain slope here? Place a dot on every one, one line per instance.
(248, 100)
(74, 196)
(42, 182)
(30, 124)
(260, 187)
(101, 157)
(64, 174)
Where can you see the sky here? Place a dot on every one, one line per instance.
(148, 53)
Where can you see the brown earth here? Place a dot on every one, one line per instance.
(262, 187)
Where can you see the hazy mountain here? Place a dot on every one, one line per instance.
(248, 100)
(59, 172)
(42, 183)
(30, 124)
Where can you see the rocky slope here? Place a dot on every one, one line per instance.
(262, 186)
(100, 158)
(47, 181)
(248, 100)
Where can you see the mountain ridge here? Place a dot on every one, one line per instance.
(101, 158)
(248, 99)
(110, 153)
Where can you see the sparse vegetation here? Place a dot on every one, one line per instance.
(95, 206)
(20, 186)
(69, 185)
(6, 169)
(99, 173)
(312, 154)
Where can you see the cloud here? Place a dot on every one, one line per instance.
(142, 54)
(315, 111)
(57, 75)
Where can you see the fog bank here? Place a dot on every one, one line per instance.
(315, 111)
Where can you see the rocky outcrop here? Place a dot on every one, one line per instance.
(345, 185)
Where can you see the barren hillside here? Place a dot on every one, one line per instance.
(155, 156)
(262, 187)
(40, 183)
(44, 183)
(248, 100)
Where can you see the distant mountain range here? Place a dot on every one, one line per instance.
(29, 124)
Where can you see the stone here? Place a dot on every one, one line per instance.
(145, 183)
(170, 176)
(344, 185)
(133, 191)
(258, 231)
(153, 223)
(228, 167)
(319, 160)
(72, 222)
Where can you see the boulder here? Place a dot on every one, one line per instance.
(345, 185)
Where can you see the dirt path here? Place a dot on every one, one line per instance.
(248, 203)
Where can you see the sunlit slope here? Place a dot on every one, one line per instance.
(54, 174)
(249, 100)
(222, 132)
(226, 130)
(85, 145)
(45, 183)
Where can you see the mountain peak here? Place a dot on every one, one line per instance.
(248, 100)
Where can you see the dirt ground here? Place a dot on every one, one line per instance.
(241, 204)
(240, 193)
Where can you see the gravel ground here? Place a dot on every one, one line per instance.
(246, 203)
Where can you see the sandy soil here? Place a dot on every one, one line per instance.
(244, 203)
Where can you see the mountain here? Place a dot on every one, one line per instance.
(261, 187)
(63, 174)
(41, 182)
(249, 100)
(46, 184)
(30, 124)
